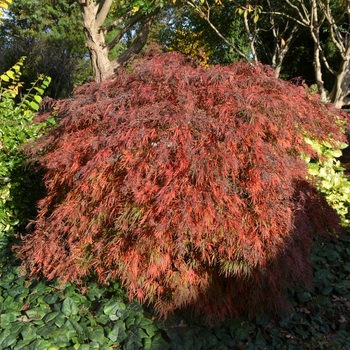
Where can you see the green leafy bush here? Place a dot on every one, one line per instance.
(18, 187)
(329, 176)
(44, 315)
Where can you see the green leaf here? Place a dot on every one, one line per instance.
(40, 91)
(327, 290)
(22, 345)
(117, 334)
(62, 336)
(9, 317)
(148, 326)
(40, 344)
(54, 347)
(336, 153)
(69, 307)
(304, 297)
(51, 298)
(262, 320)
(76, 326)
(10, 74)
(34, 105)
(28, 333)
(96, 334)
(134, 339)
(36, 313)
(84, 347)
(46, 82)
(112, 307)
(4, 77)
(46, 331)
(158, 343)
(59, 320)
(37, 98)
(20, 290)
(313, 169)
(94, 345)
(7, 338)
(95, 292)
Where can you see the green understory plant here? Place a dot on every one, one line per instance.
(18, 186)
(329, 176)
(42, 315)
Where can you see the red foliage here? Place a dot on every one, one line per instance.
(186, 184)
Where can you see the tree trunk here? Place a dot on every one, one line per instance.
(318, 73)
(95, 42)
(315, 24)
(339, 94)
(277, 58)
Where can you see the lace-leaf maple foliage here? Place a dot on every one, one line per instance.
(185, 183)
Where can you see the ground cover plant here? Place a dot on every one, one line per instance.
(330, 176)
(186, 184)
(42, 315)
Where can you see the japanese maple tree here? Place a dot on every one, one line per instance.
(185, 183)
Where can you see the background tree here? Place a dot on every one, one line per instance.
(116, 19)
(179, 28)
(269, 35)
(49, 34)
(208, 11)
(273, 35)
(332, 18)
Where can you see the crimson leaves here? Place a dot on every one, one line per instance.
(186, 184)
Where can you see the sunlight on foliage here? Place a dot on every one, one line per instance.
(4, 4)
(16, 129)
(329, 175)
(189, 43)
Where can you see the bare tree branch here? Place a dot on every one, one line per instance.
(118, 22)
(206, 17)
(138, 43)
(124, 30)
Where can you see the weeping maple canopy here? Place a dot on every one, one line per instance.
(185, 183)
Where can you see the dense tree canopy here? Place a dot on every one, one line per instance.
(49, 34)
(295, 39)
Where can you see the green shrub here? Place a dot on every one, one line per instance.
(329, 176)
(17, 184)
